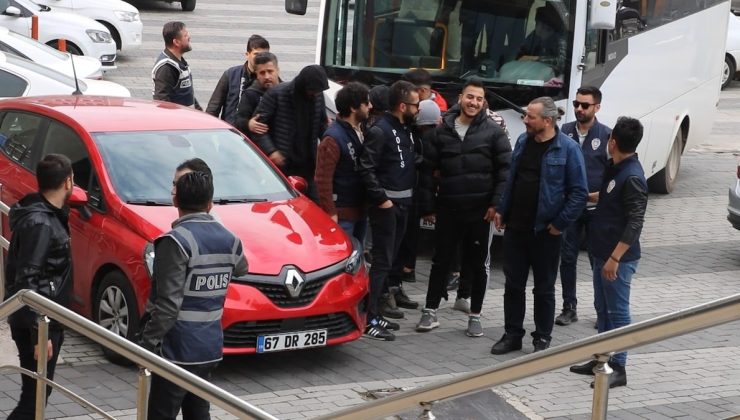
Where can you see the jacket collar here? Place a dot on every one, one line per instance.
(202, 216)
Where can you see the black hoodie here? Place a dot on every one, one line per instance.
(39, 256)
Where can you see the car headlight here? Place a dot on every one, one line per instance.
(98, 36)
(149, 259)
(356, 259)
(127, 16)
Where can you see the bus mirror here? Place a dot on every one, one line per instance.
(603, 14)
(296, 7)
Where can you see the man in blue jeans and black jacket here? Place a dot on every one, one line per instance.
(545, 193)
(615, 239)
(592, 137)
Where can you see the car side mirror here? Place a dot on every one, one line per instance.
(13, 11)
(296, 7)
(78, 200)
(298, 183)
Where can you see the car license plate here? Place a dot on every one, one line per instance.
(291, 341)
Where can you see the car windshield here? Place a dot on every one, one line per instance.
(141, 165)
(35, 44)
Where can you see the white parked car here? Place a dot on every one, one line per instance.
(21, 77)
(84, 36)
(732, 56)
(30, 49)
(121, 19)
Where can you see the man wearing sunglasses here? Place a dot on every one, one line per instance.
(592, 137)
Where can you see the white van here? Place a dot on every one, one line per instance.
(121, 19)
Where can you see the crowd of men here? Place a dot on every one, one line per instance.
(393, 155)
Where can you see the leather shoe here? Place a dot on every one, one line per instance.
(617, 378)
(540, 344)
(584, 369)
(402, 299)
(506, 344)
(388, 307)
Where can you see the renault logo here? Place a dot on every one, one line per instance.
(294, 282)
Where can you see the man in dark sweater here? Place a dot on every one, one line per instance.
(267, 75)
(544, 194)
(388, 169)
(471, 153)
(615, 239)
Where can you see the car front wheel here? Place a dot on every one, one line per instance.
(115, 309)
(728, 71)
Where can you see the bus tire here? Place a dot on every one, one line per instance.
(728, 71)
(664, 181)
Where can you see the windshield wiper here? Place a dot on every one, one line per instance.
(238, 200)
(148, 203)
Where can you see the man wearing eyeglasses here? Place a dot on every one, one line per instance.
(388, 169)
(592, 137)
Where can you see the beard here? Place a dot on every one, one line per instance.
(409, 118)
(185, 49)
(584, 118)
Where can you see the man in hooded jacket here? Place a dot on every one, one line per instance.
(296, 117)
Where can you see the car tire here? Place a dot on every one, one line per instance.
(115, 308)
(71, 48)
(728, 71)
(187, 5)
(664, 181)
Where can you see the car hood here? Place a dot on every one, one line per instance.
(105, 88)
(91, 4)
(274, 234)
(86, 67)
(61, 20)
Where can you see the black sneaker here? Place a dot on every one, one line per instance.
(377, 332)
(408, 276)
(506, 344)
(402, 299)
(388, 307)
(540, 344)
(453, 281)
(567, 316)
(388, 325)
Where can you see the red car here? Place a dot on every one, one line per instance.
(307, 281)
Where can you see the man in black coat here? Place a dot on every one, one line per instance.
(471, 154)
(267, 75)
(296, 116)
(39, 259)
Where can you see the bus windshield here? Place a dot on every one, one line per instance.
(518, 45)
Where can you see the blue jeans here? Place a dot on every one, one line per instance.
(612, 300)
(569, 257)
(355, 228)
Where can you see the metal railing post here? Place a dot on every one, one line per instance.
(142, 394)
(602, 373)
(41, 363)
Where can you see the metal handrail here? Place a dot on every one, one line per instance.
(131, 351)
(657, 329)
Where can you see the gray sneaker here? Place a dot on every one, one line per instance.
(428, 320)
(462, 305)
(474, 327)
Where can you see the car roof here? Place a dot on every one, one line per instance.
(107, 114)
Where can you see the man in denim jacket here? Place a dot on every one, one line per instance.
(546, 191)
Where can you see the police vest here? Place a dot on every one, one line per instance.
(609, 221)
(594, 151)
(349, 189)
(239, 80)
(212, 251)
(397, 172)
(183, 92)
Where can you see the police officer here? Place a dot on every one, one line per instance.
(389, 172)
(173, 81)
(592, 137)
(187, 297)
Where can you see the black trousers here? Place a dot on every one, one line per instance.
(473, 238)
(27, 402)
(387, 227)
(407, 249)
(541, 253)
(166, 398)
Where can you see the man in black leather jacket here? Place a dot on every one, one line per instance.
(39, 259)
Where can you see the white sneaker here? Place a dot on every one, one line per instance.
(462, 305)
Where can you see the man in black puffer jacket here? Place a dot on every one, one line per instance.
(471, 154)
(39, 259)
(296, 116)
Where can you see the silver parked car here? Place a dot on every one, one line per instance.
(733, 209)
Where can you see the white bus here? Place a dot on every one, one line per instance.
(658, 60)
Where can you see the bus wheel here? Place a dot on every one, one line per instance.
(664, 181)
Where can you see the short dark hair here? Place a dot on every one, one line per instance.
(418, 77)
(475, 82)
(257, 41)
(399, 93)
(627, 133)
(590, 90)
(264, 58)
(52, 170)
(195, 165)
(194, 191)
(170, 31)
(351, 95)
